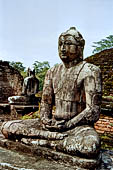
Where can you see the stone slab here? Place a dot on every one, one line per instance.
(46, 153)
(107, 156)
(24, 109)
(25, 106)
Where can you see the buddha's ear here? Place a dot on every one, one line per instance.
(80, 52)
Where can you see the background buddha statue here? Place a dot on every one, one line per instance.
(29, 89)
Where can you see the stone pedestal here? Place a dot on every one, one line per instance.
(23, 100)
(23, 109)
(23, 104)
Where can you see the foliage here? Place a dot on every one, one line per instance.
(41, 70)
(108, 98)
(106, 142)
(32, 115)
(111, 124)
(19, 66)
(103, 44)
(24, 73)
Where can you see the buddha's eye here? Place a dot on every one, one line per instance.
(68, 43)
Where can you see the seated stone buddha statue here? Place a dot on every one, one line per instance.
(29, 89)
(74, 88)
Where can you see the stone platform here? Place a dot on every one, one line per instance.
(25, 109)
(6, 108)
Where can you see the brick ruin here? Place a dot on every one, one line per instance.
(104, 60)
(10, 81)
(104, 126)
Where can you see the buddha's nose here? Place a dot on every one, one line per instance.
(63, 48)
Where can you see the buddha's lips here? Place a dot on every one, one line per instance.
(63, 55)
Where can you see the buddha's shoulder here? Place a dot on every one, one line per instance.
(88, 67)
(56, 68)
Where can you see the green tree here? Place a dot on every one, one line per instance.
(41, 70)
(19, 66)
(103, 44)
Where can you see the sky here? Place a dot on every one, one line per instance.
(29, 29)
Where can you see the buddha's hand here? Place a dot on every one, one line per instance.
(46, 122)
(56, 125)
(70, 124)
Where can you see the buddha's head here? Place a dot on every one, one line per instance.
(71, 45)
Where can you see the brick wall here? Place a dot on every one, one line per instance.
(104, 125)
(104, 60)
(10, 81)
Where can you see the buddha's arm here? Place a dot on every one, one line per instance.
(91, 113)
(23, 88)
(36, 87)
(46, 109)
(47, 99)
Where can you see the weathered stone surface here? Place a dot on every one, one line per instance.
(10, 81)
(12, 160)
(41, 163)
(74, 87)
(107, 160)
(28, 146)
(67, 161)
(76, 162)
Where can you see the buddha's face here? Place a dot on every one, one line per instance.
(67, 48)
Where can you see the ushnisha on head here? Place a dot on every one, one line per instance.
(30, 72)
(71, 45)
